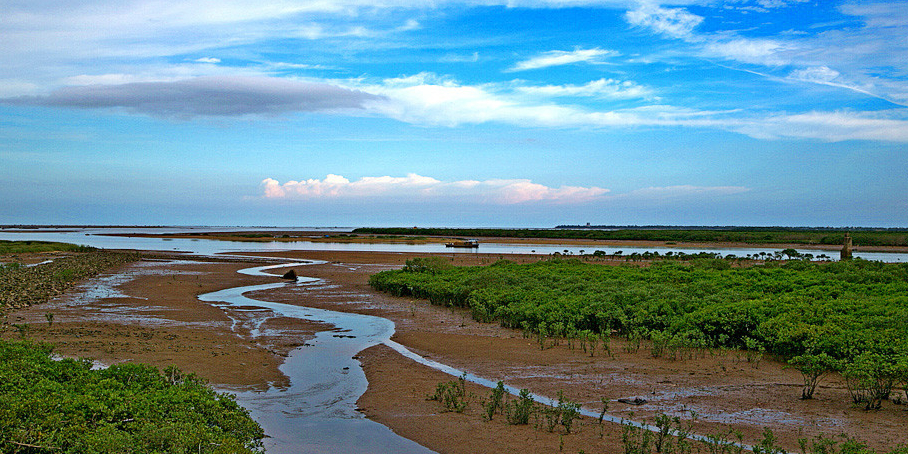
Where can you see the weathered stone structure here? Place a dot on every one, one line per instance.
(846, 248)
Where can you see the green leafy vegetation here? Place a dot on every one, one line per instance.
(22, 247)
(519, 411)
(844, 316)
(22, 286)
(730, 235)
(495, 402)
(671, 435)
(452, 395)
(64, 406)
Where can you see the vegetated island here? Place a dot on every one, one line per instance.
(865, 238)
(50, 405)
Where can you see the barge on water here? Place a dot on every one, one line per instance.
(464, 243)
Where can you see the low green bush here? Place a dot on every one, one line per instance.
(65, 406)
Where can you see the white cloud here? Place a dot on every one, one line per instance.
(778, 3)
(16, 87)
(602, 88)
(416, 187)
(831, 126)
(878, 14)
(765, 52)
(816, 74)
(674, 22)
(428, 99)
(455, 58)
(211, 60)
(823, 75)
(561, 57)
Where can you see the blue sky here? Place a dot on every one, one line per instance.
(488, 113)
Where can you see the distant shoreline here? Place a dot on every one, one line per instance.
(321, 237)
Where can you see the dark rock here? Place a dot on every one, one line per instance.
(634, 401)
(291, 275)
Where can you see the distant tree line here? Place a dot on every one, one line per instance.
(738, 235)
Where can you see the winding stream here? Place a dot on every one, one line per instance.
(317, 412)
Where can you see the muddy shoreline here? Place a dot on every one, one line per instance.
(320, 237)
(153, 316)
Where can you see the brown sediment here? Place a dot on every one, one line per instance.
(723, 387)
(160, 321)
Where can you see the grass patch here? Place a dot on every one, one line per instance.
(23, 247)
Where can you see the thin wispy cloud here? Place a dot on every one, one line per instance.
(602, 88)
(832, 126)
(413, 187)
(561, 57)
(667, 193)
(432, 100)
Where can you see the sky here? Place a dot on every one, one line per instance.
(498, 113)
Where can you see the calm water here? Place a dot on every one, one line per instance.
(96, 237)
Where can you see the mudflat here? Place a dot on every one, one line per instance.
(149, 312)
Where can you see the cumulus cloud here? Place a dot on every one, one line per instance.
(414, 187)
(206, 96)
(561, 57)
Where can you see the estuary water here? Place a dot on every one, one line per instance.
(317, 412)
(99, 237)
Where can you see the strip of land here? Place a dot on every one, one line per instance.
(873, 244)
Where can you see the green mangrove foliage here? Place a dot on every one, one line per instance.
(670, 435)
(21, 247)
(882, 237)
(846, 316)
(453, 395)
(64, 406)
